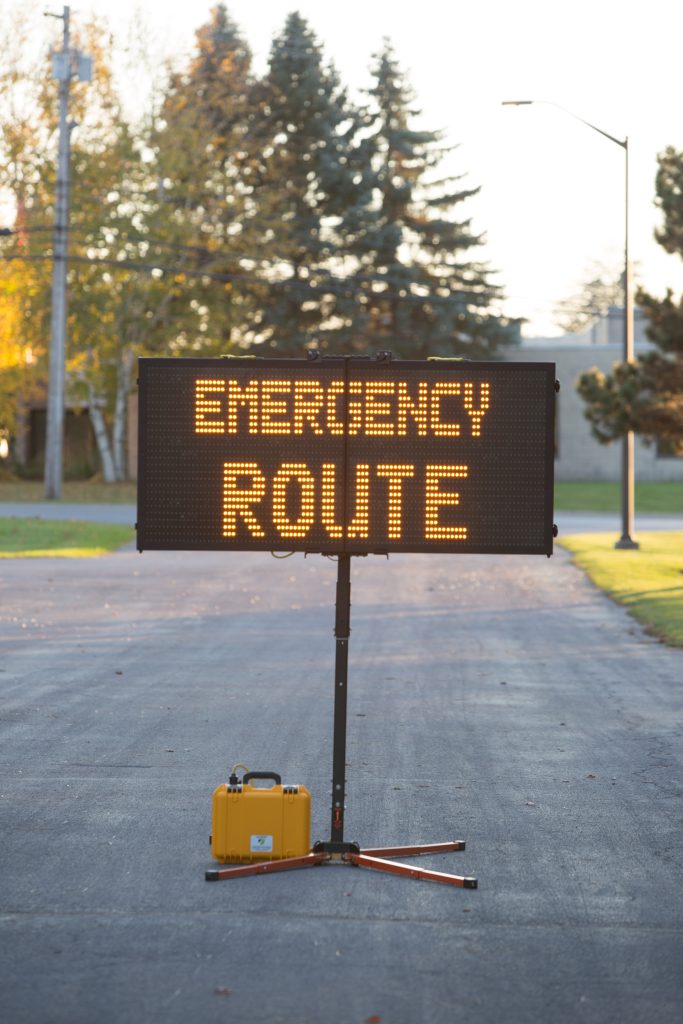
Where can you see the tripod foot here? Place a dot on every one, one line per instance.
(363, 860)
(415, 851)
(265, 867)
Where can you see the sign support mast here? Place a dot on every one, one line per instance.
(342, 631)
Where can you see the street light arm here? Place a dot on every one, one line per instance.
(550, 103)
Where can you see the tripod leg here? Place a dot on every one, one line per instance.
(415, 851)
(378, 864)
(265, 867)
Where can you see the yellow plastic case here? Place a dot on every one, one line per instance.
(255, 823)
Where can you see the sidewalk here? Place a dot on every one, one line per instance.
(94, 513)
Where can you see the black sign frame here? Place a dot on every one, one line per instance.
(511, 473)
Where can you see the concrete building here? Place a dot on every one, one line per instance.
(578, 455)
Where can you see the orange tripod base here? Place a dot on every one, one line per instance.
(374, 859)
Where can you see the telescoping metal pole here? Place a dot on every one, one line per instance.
(342, 630)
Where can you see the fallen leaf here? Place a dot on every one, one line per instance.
(220, 990)
(589, 776)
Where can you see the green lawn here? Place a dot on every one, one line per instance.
(662, 499)
(647, 581)
(64, 538)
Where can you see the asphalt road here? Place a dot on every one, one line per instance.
(500, 700)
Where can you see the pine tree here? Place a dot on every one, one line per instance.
(422, 291)
(204, 191)
(647, 396)
(310, 175)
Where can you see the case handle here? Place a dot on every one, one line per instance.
(277, 779)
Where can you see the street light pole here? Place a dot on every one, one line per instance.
(627, 461)
(627, 540)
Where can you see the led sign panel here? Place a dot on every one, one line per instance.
(346, 454)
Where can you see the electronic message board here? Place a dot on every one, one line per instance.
(346, 455)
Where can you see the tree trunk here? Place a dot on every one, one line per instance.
(99, 426)
(123, 377)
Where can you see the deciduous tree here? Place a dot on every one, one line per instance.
(601, 288)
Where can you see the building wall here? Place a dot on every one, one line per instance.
(81, 458)
(579, 455)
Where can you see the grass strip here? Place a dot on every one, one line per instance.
(605, 496)
(61, 538)
(647, 581)
(593, 496)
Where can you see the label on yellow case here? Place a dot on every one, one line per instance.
(261, 844)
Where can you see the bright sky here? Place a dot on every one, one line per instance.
(552, 190)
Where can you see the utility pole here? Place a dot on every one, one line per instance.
(67, 63)
(54, 438)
